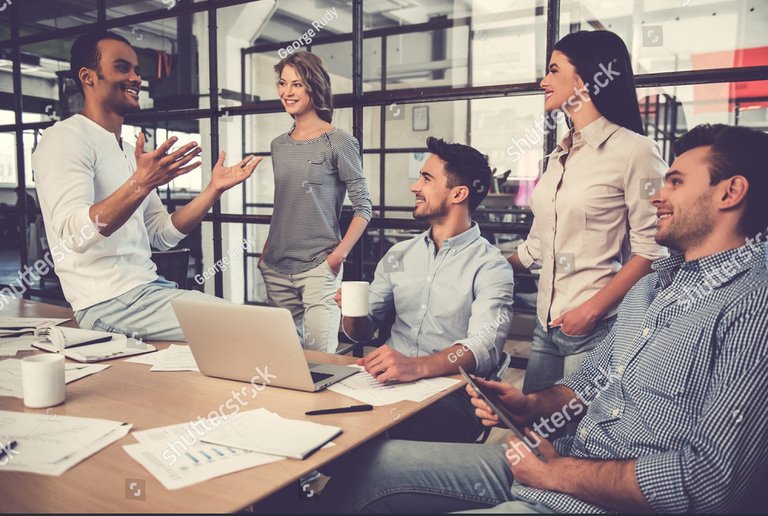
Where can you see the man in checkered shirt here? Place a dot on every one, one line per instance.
(670, 406)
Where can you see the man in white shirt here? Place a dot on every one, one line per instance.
(99, 203)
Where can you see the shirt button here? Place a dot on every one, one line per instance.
(620, 369)
(646, 331)
(429, 278)
(414, 330)
(615, 412)
(583, 433)
(423, 307)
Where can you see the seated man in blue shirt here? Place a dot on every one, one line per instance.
(671, 405)
(449, 291)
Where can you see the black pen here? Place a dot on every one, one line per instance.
(353, 408)
(8, 447)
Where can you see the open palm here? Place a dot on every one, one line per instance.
(223, 178)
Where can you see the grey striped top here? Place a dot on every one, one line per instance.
(311, 180)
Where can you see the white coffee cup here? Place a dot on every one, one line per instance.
(42, 380)
(354, 298)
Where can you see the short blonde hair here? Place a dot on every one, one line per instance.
(315, 77)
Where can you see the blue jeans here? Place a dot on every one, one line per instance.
(142, 312)
(391, 476)
(555, 355)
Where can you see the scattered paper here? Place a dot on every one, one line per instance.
(9, 346)
(50, 444)
(261, 431)
(176, 358)
(10, 375)
(366, 389)
(176, 457)
(11, 325)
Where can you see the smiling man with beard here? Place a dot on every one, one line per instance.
(449, 291)
(99, 203)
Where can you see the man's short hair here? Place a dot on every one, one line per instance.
(85, 53)
(464, 166)
(735, 151)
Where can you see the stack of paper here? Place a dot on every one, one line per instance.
(14, 326)
(177, 458)
(175, 357)
(9, 346)
(10, 375)
(262, 431)
(365, 388)
(50, 444)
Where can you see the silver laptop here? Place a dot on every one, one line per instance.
(256, 344)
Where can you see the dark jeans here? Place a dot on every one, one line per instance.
(449, 420)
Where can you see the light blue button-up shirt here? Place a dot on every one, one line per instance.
(461, 294)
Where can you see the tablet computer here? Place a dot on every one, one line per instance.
(495, 404)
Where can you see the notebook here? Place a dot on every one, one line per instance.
(88, 345)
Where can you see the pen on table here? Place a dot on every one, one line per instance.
(94, 341)
(353, 408)
(5, 449)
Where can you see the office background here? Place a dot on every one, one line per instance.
(402, 70)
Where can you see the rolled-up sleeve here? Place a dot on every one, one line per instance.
(163, 235)
(491, 315)
(64, 172)
(643, 179)
(724, 460)
(350, 167)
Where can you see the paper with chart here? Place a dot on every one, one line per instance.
(365, 388)
(10, 375)
(176, 358)
(262, 431)
(177, 458)
(50, 444)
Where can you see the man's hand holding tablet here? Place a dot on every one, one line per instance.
(497, 402)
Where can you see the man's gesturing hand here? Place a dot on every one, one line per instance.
(223, 178)
(384, 364)
(156, 168)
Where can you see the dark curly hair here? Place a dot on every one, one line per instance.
(464, 166)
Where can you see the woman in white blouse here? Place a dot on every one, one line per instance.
(593, 230)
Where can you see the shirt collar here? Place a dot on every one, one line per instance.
(594, 134)
(458, 242)
(718, 268)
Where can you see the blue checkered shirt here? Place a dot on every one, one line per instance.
(680, 384)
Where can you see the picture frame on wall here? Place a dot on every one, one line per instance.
(420, 118)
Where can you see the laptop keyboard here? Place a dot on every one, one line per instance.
(319, 377)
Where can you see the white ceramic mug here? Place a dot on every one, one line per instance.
(42, 379)
(354, 298)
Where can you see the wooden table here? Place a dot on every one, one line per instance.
(129, 392)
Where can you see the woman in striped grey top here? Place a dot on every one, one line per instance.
(315, 165)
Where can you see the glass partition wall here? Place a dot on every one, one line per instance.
(402, 70)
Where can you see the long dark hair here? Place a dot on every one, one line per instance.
(617, 100)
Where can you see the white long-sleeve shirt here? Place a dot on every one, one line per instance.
(78, 163)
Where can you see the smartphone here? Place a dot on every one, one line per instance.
(495, 404)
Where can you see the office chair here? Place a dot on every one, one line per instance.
(173, 266)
